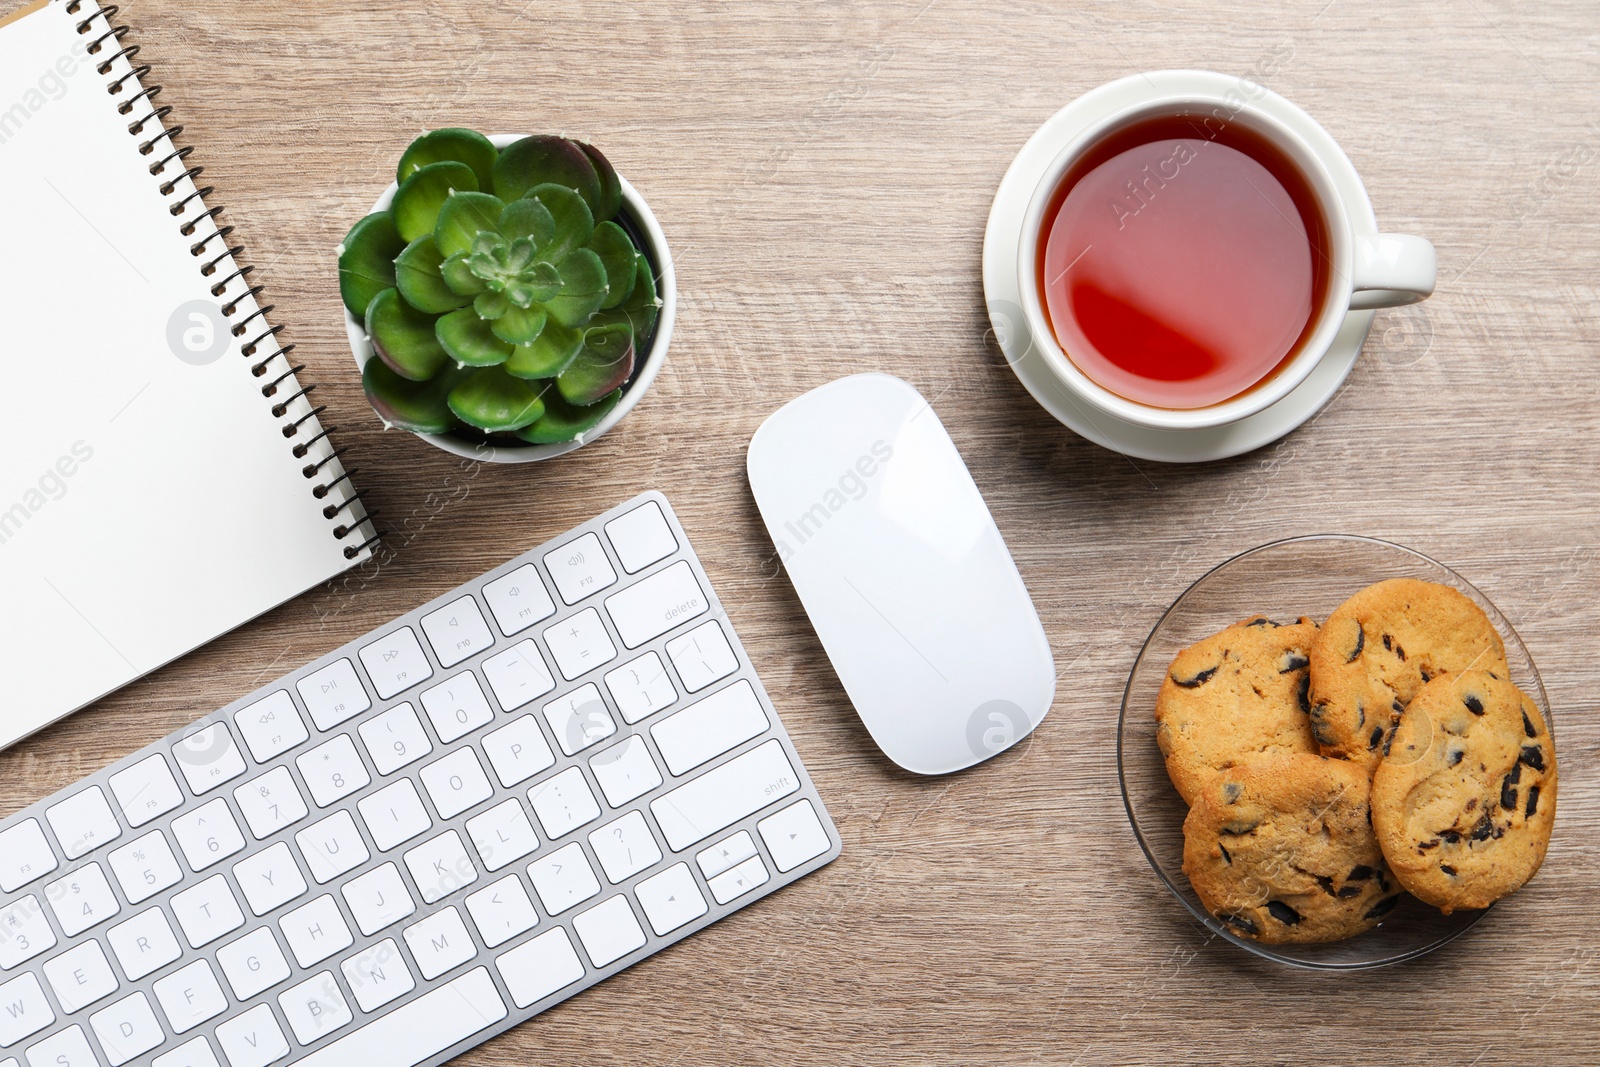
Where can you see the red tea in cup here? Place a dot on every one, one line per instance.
(1183, 264)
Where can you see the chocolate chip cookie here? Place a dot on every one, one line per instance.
(1381, 646)
(1464, 802)
(1238, 693)
(1280, 848)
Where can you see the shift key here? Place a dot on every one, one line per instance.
(722, 796)
(657, 604)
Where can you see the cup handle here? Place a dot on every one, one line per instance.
(1391, 270)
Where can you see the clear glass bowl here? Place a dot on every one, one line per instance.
(1282, 580)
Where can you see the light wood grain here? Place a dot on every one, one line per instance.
(823, 172)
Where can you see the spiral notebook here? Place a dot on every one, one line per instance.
(163, 473)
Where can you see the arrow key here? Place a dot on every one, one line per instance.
(726, 854)
(671, 899)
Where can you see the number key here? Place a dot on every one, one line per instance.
(395, 738)
(270, 803)
(333, 770)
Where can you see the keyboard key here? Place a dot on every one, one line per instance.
(609, 931)
(70, 1048)
(143, 944)
(457, 631)
(334, 694)
(670, 899)
(518, 752)
(518, 675)
(208, 834)
(27, 1011)
(81, 899)
(641, 688)
(563, 803)
(333, 770)
(253, 1039)
(457, 707)
(440, 867)
(518, 600)
(270, 803)
(502, 834)
(24, 931)
(456, 783)
(332, 847)
(378, 899)
(540, 967)
(190, 995)
(195, 1052)
(625, 771)
(394, 815)
(579, 719)
(315, 931)
(315, 1007)
(145, 866)
(502, 911)
(80, 976)
(707, 728)
(26, 855)
(794, 835)
(270, 878)
(126, 1029)
(145, 790)
(624, 847)
(580, 644)
(415, 1032)
(579, 568)
(395, 738)
(666, 599)
(271, 726)
(208, 757)
(726, 854)
(207, 911)
(83, 822)
(563, 879)
(396, 662)
(252, 964)
(377, 975)
(729, 885)
(440, 943)
(641, 537)
(724, 795)
(702, 656)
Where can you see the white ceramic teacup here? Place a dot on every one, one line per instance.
(1367, 269)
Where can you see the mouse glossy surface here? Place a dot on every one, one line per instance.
(903, 573)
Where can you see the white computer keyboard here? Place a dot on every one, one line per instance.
(423, 838)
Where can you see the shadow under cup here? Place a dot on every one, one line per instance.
(1185, 258)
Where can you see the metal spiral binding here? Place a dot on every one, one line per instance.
(220, 254)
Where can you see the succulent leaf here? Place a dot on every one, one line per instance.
(610, 185)
(404, 337)
(562, 422)
(583, 288)
(615, 249)
(459, 277)
(469, 340)
(521, 325)
(419, 274)
(462, 146)
(548, 354)
(493, 400)
(491, 305)
(421, 197)
(530, 219)
(604, 363)
(543, 158)
(420, 407)
(366, 261)
(463, 217)
(640, 310)
(574, 224)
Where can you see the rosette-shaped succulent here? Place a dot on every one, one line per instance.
(501, 295)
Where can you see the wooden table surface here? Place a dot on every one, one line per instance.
(823, 172)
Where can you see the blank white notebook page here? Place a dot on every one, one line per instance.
(149, 498)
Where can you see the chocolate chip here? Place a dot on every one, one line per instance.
(1533, 802)
(1239, 828)
(1326, 883)
(1400, 652)
(1361, 716)
(1387, 741)
(1426, 677)
(1472, 802)
(1239, 922)
(1305, 693)
(1293, 661)
(1533, 756)
(1225, 857)
(1450, 836)
(1484, 829)
(1453, 757)
(1473, 704)
(1527, 726)
(1508, 793)
(1399, 708)
(1283, 913)
(1262, 621)
(1359, 873)
(1428, 844)
(1350, 891)
(1361, 642)
(1387, 642)
(1319, 725)
(1377, 735)
(1447, 869)
(1231, 791)
(1383, 907)
(1198, 680)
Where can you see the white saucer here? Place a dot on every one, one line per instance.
(1002, 291)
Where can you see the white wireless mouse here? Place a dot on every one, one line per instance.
(903, 572)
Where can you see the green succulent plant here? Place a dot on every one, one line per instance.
(500, 293)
